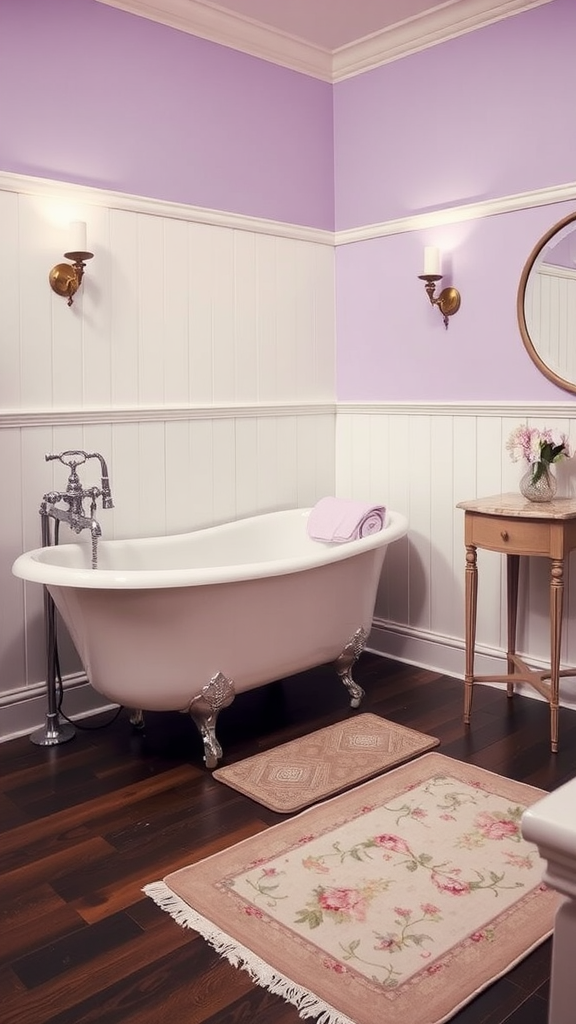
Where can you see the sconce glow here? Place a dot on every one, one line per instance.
(66, 278)
(448, 301)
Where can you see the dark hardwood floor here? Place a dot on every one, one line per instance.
(86, 824)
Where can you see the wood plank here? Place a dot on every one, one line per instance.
(90, 823)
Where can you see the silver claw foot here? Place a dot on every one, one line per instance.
(204, 709)
(345, 662)
(137, 718)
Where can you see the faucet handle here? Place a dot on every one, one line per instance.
(70, 458)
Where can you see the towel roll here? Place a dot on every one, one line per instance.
(372, 522)
(338, 520)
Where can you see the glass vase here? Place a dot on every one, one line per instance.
(539, 483)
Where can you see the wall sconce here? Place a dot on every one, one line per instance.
(66, 278)
(448, 301)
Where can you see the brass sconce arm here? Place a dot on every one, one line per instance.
(66, 278)
(448, 301)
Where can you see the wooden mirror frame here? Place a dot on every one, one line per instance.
(529, 343)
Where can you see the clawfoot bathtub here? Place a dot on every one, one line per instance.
(186, 622)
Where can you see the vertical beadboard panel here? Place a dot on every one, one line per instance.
(95, 310)
(246, 462)
(13, 660)
(66, 349)
(39, 248)
(322, 272)
(200, 303)
(418, 435)
(124, 308)
(10, 383)
(286, 298)
(267, 322)
(152, 479)
(174, 341)
(399, 561)
(267, 461)
(445, 582)
(224, 469)
(125, 472)
(244, 339)
(180, 488)
(203, 469)
(151, 275)
(37, 477)
(224, 356)
(287, 462)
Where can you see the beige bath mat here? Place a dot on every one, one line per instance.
(316, 766)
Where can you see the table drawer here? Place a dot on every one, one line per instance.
(508, 534)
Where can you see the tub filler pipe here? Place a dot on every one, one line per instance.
(55, 731)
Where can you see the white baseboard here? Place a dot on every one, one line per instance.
(446, 655)
(27, 712)
(434, 653)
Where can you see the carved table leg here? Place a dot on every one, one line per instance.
(512, 574)
(471, 604)
(556, 605)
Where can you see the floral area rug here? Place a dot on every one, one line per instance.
(396, 901)
(313, 767)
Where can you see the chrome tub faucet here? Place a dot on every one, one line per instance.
(68, 506)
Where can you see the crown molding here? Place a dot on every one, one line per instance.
(230, 29)
(419, 33)
(446, 21)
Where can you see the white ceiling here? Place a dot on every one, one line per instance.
(329, 39)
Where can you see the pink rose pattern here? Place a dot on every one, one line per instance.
(407, 928)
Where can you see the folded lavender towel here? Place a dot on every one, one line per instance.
(342, 519)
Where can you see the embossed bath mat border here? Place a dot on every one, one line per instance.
(325, 762)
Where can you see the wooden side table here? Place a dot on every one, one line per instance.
(510, 524)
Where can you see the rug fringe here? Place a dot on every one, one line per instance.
(307, 1004)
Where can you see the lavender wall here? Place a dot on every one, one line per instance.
(104, 98)
(485, 115)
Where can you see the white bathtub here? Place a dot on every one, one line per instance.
(186, 622)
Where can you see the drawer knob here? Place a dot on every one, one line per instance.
(504, 534)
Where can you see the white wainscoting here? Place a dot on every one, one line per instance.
(167, 476)
(423, 460)
(197, 357)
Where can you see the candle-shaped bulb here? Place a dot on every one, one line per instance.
(431, 260)
(77, 236)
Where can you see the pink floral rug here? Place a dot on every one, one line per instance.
(399, 900)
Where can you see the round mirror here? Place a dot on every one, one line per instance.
(547, 304)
